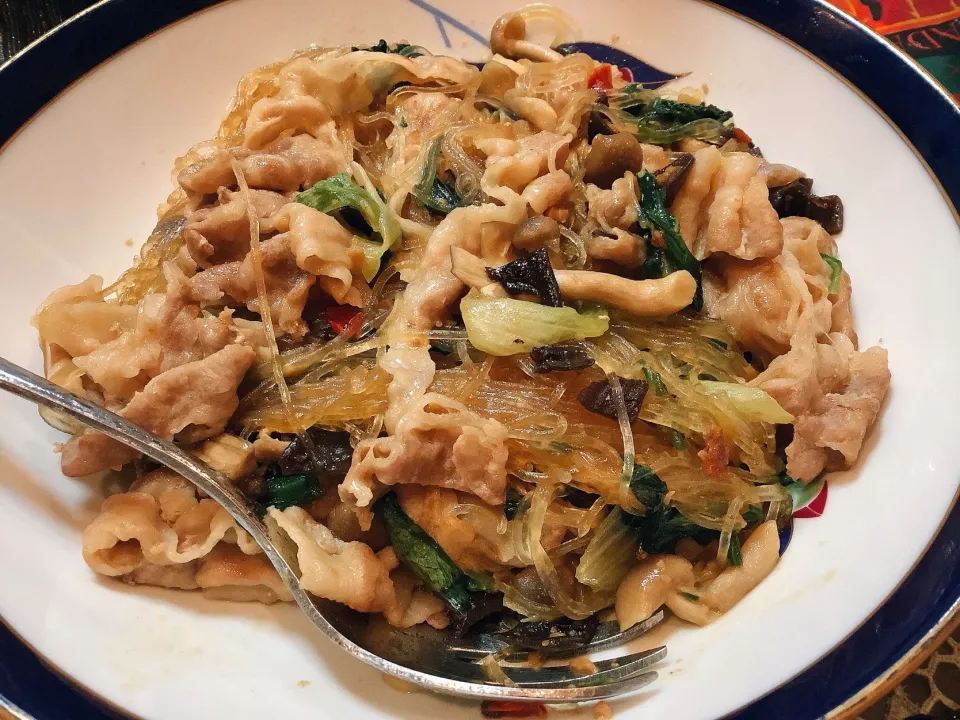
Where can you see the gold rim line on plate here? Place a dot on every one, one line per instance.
(951, 619)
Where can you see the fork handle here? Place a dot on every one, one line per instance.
(25, 384)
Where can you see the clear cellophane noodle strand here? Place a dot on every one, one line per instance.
(732, 522)
(263, 305)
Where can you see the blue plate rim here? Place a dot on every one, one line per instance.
(890, 643)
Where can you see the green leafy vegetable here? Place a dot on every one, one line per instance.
(673, 111)
(479, 581)
(734, 553)
(657, 264)
(511, 505)
(647, 487)
(421, 553)
(753, 403)
(662, 527)
(803, 494)
(655, 381)
(431, 191)
(678, 439)
(340, 192)
(504, 326)
(654, 133)
(654, 213)
(661, 121)
(444, 347)
(753, 515)
(285, 491)
(836, 272)
(405, 49)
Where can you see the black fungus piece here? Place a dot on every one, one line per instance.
(333, 455)
(501, 623)
(578, 632)
(598, 397)
(789, 200)
(484, 605)
(529, 634)
(530, 275)
(673, 176)
(565, 638)
(797, 199)
(826, 210)
(560, 357)
(579, 498)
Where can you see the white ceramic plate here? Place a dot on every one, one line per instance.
(86, 175)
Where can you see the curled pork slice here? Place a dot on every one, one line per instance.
(724, 206)
(324, 248)
(814, 365)
(190, 402)
(548, 190)
(221, 233)
(288, 163)
(160, 521)
(437, 442)
(830, 434)
(171, 329)
(616, 207)
(346, 572)
(763, 301)
(346, 83)
(77, 319)
(288, 285)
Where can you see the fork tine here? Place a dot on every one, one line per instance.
(608, 635)
(613, 670)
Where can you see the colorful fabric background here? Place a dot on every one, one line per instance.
(927, 30)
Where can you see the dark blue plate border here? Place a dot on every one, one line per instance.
(920, 613)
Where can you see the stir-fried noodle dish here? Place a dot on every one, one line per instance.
(520, 339)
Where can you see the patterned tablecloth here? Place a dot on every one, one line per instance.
(928, 31)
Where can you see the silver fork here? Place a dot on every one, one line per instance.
(429, 658)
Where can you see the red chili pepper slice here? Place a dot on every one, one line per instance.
(506, 708)
(601, 78)
(626, 74)
(342, 316)
(741, 136)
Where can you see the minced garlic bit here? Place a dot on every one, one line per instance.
(602, 710)
(583, 666)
